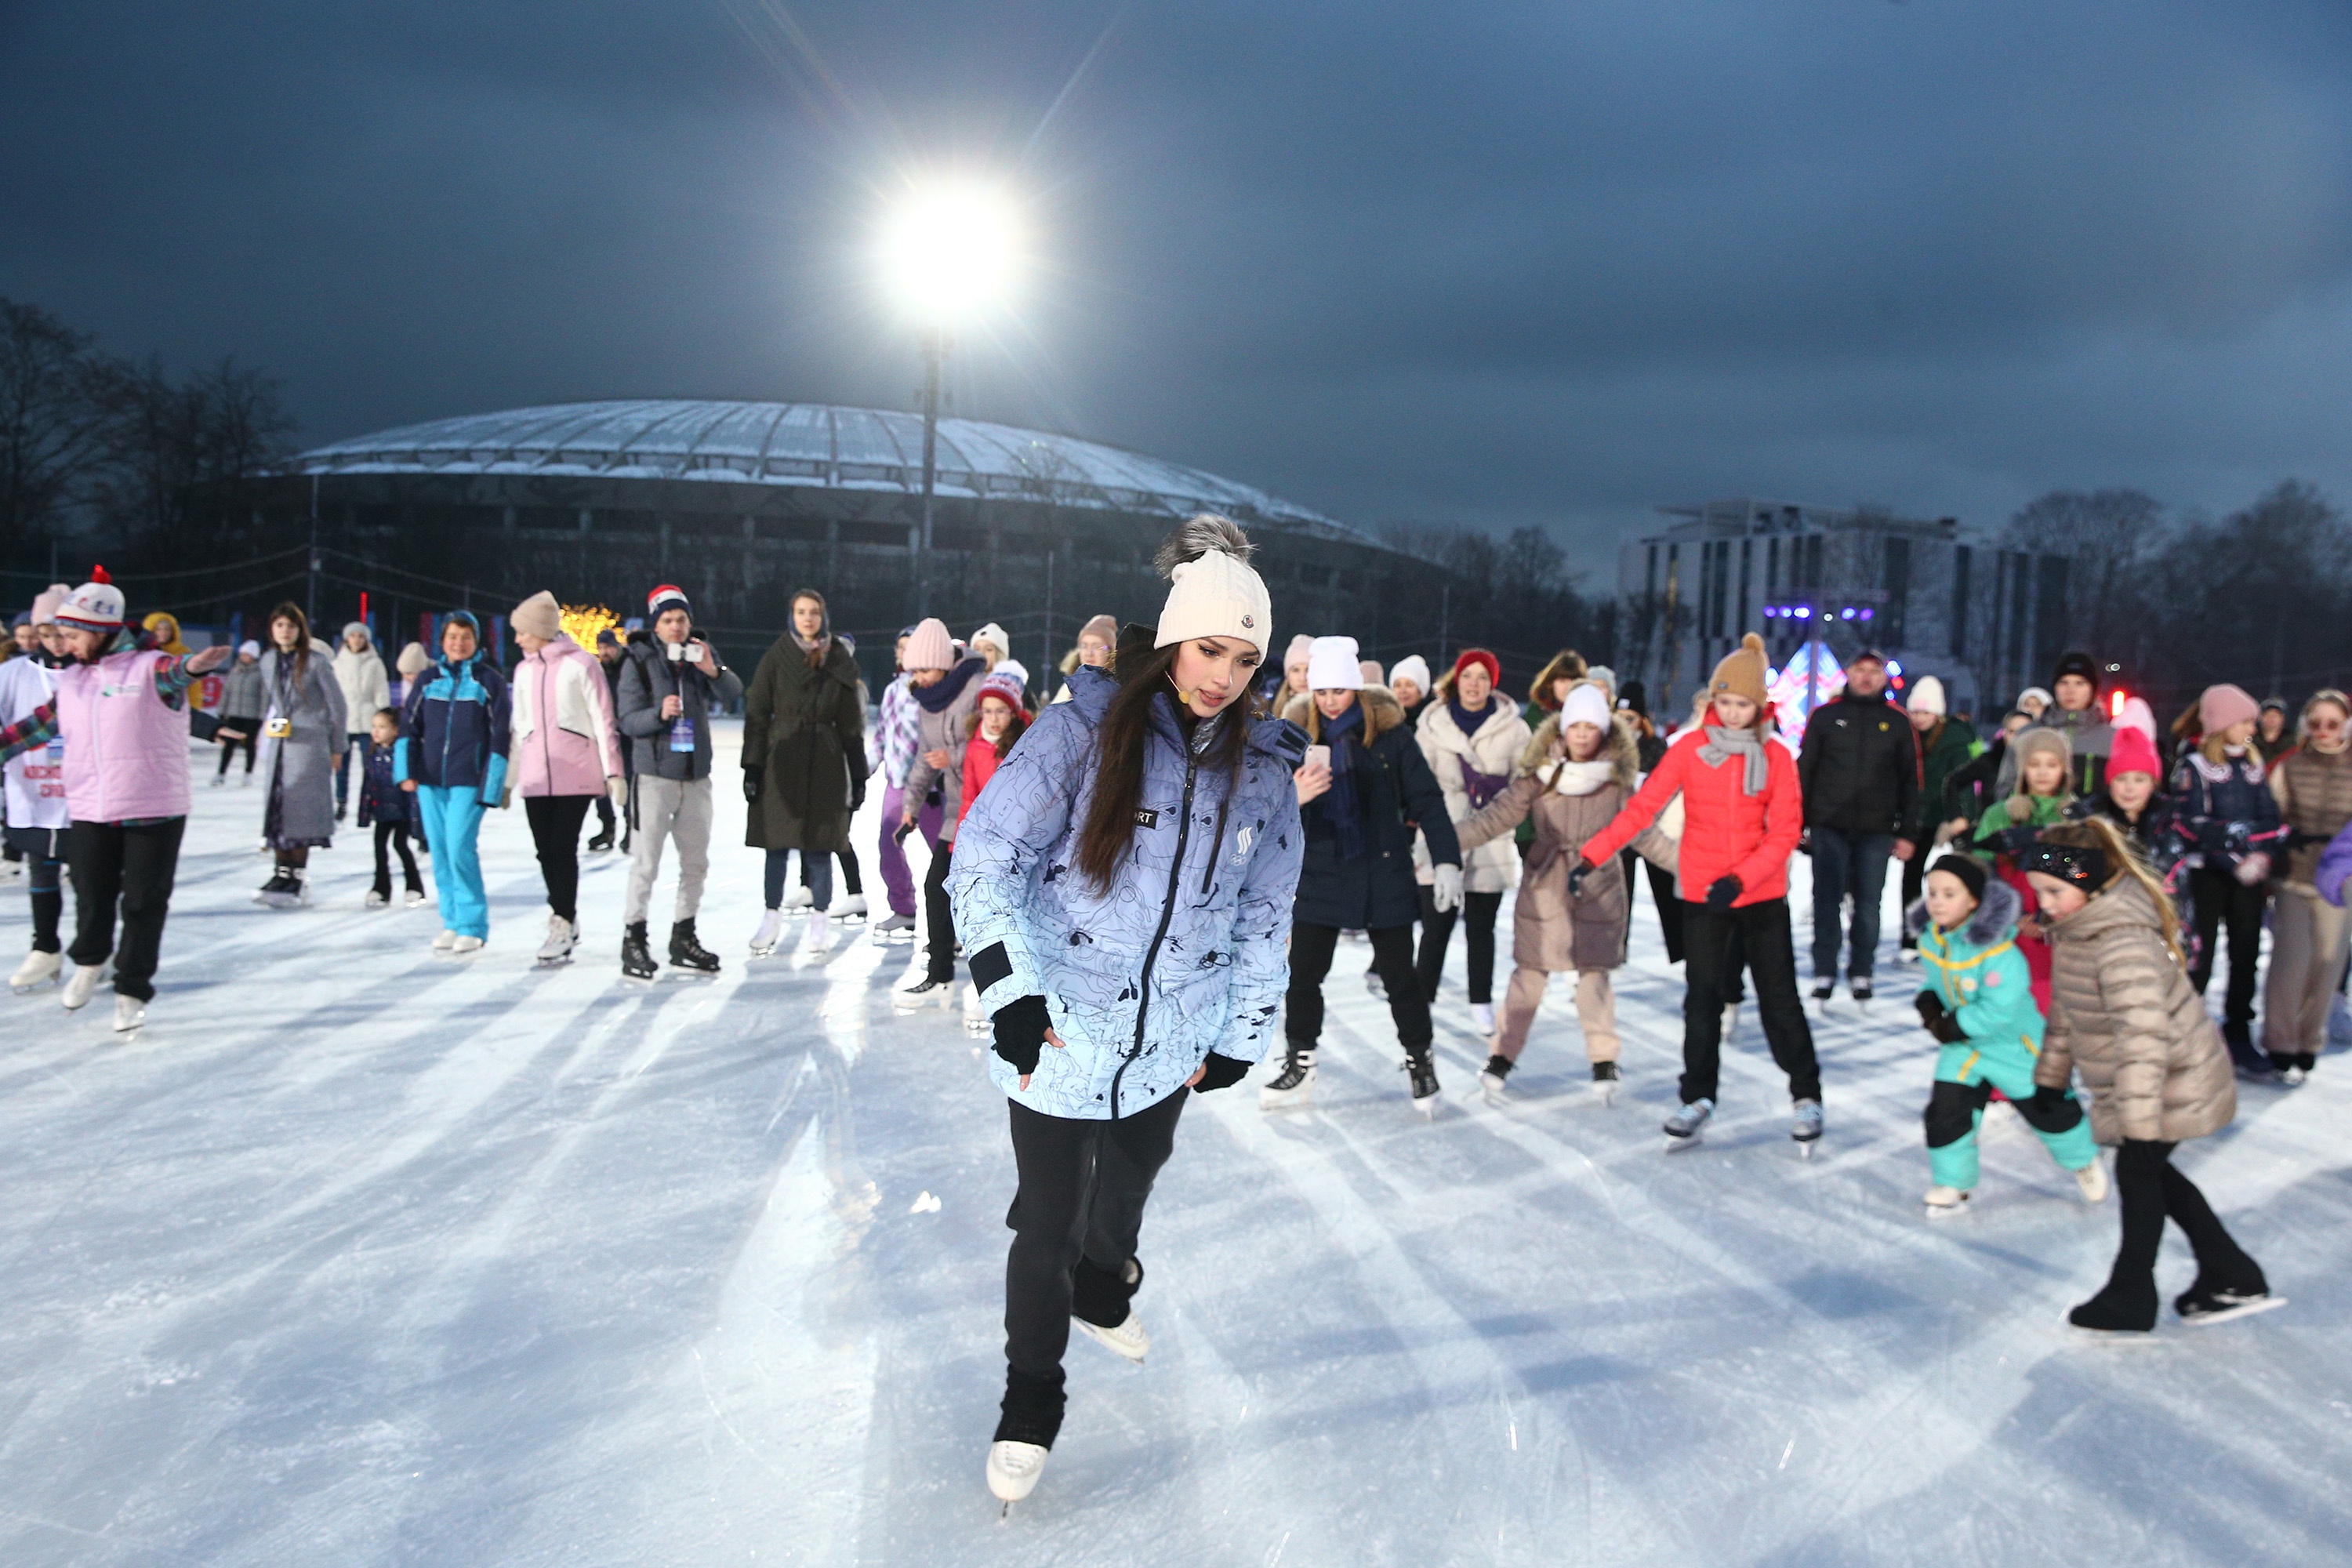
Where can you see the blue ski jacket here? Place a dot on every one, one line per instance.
(454, 729)
(1183, 954)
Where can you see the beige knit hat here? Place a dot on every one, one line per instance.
(1212, 592)
(539, 616)
(1741, 673)
(929, 647)
(413, 660)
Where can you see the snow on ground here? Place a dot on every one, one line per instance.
(361, 1255)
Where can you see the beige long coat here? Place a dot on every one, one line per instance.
(2121, 1012)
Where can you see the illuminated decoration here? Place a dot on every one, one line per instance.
(2116, 703)
(582, 621)
(1814, 675)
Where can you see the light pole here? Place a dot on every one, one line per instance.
(947, 254)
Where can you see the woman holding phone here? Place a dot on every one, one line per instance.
(1364, 784)
(1123, 888)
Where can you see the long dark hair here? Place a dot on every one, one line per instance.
(289, 610)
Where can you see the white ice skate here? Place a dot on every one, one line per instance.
(563, 936)
(1482, 1019)
(1605, 1080)
(1806, 1127)
(818, 937)
(1494, 1086)
(1294, 1086)
(1682, 1128)
(466, 945)
(799, 899)
(1730, 1021)
(975, 1016)
(84, 981)
(1012, 1471)
(445, 941)
(917, 990)
(896, 928)
(771, 932)
(414, 899)
(38, 969)
(129, 1013)
(852, 908)
(1128, 1339)
(2093, 1180)
(11, 869)
(1944, 1202)
(376, 900)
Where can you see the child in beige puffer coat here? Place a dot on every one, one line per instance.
(2122, 1011)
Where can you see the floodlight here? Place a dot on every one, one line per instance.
(950, 250)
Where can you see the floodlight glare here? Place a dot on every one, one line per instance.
(949, 250)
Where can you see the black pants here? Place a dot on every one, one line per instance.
(1670, 910)
(1714, 944)
(45, 876)
(228, 745)
(555, 822)
(131, 867)
(1914, 880)
(1848, 864)
(1311, 947)
(1083, 1188)
(850, 883)
(1478, 916)
(603, 815)
(2223, 902)
(389, 836)
(2150, 1190)
(938, 917)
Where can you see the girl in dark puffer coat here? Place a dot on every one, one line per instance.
(2232, 820)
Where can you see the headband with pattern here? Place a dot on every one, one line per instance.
(2084, 864)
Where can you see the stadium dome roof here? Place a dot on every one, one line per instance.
(807, 445)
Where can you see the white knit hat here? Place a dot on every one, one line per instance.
(993, 635)
(1332, 666)
(95, 606)
(1412, 668)
(1217, 595)
(1012, 669)
(1587, 704)
(1927, 696)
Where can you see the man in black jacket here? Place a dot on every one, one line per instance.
(1860, 768)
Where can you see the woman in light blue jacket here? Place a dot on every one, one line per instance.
(1124, 890)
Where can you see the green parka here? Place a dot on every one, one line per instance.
(805, 729)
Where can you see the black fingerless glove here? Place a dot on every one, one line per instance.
(1725, 889)
(1220, 1072)
(1021, 1028)
(751, 785)
(1948, 1029)
(1931, 1009)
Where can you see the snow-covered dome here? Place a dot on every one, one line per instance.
(807, 445)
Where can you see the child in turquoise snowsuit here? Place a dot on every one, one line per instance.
(1976, 996)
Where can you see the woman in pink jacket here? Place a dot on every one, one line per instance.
(122, 712)
(566, 753)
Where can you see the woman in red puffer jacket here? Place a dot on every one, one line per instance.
(1742, 814)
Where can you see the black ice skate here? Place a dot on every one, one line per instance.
(1294, 1086)
(686, 953)
(1423, 1069)
(636, 956)
(1605, 1078)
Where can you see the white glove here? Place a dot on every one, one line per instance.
(616, 787)
(1445, 891)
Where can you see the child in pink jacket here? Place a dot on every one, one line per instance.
(565, 754)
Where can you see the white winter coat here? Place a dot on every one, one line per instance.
(366, 687)
(1495, 748)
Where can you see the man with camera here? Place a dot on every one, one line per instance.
(670, 682)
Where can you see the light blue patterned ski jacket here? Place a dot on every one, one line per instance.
(1187, 951)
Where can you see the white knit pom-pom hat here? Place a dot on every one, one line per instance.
(95, 606)
(1212, 592)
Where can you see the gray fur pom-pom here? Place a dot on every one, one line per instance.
(1196, 536)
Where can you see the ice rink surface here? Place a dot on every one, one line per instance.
(357, 1254)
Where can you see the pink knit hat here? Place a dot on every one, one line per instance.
(47, 603)
(2134, 753)
(2224, 705)
(929, 647)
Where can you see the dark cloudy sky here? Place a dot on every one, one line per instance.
(1491, 262)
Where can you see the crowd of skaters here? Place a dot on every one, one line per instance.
(1148, 876)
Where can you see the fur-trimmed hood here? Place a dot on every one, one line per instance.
(1995, 918)
(1623, 749)
(1383, 712)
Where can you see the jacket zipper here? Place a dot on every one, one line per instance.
(1167, 913)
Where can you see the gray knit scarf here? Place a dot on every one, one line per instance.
(1747, 745)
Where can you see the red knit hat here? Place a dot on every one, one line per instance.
(2134, 753)
(1471, 655)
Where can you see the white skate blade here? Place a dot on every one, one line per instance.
(2245, 1310)
(1606, 1093)
(1427, 1106)
(1299, 1098)
(1688, 1140)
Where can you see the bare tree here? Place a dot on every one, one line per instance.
(179, 455)
(55, 420)
(2110, 536)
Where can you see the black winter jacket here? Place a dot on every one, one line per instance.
(1860, 767)
(1397, 789)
